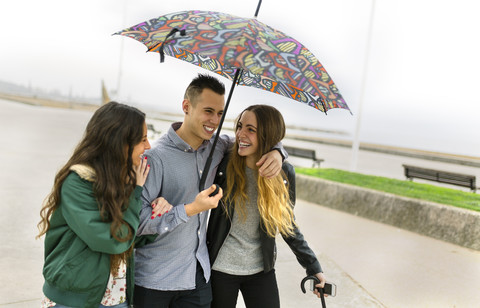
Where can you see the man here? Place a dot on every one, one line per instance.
(174, 270)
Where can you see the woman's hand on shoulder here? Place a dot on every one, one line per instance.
(141, 171)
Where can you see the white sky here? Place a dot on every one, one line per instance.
(421, 79)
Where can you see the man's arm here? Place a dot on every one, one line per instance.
(269, 164)
(151, 190)
(203, 202)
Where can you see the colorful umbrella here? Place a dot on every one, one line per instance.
(224, 43)
(243, 50)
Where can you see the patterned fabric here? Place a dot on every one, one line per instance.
(46, 303)
(116, 287)
(222, 43)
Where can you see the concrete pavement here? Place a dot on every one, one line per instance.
(399, 268)
(35, 141)
(373, 265)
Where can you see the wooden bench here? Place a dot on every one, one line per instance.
(304, 153)
(459, 179)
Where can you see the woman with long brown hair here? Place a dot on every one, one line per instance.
(242, 229)
(92, 214)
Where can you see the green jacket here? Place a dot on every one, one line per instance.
(78, 244)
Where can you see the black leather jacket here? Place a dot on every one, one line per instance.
(219, 227)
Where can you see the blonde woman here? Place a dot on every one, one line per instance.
(241, 231)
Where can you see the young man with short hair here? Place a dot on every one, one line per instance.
(174, 270)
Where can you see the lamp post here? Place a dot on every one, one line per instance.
(356, 138)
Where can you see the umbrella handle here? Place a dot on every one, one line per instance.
(316, 280)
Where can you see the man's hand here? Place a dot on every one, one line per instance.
(203, 201)
(270, 164)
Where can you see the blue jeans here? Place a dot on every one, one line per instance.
(122, 305)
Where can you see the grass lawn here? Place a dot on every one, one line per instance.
(448, 196)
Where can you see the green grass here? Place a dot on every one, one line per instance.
(447, 196)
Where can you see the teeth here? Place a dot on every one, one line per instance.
(210, 129)
(242, 144)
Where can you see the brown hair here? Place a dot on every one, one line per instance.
(273, 198)
(106, 146)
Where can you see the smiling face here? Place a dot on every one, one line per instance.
(140, 148)
(202, 117)
(246, 137)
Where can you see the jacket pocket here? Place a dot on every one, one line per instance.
(75, 267)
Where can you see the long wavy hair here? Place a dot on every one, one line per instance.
(107, 147)
(273, 198)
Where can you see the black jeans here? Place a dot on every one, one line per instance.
(200, 297)
(258, 290)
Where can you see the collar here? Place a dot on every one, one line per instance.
(179, 142)
(85, 172)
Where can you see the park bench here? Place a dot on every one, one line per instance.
(304, 153)
(452, 178)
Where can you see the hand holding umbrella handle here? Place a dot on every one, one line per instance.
(316, 280)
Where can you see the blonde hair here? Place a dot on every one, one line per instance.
(273, 201)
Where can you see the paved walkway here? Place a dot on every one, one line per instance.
(373, 265)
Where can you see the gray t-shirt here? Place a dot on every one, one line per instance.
(241, 253)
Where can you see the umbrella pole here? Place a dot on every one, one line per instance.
(238, 71)
(258, 8)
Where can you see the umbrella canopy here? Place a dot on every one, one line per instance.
(243, 50)
(223, 43)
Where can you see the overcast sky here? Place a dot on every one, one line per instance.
(422, 78)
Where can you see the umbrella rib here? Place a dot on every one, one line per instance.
(162, 44)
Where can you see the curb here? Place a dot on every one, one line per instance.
(447, 223)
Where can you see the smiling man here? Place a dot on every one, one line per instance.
(174, 270)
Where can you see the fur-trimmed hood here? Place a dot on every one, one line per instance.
(85, 172)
